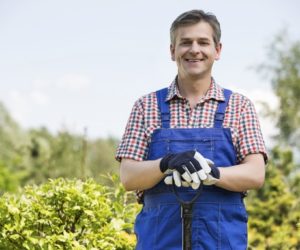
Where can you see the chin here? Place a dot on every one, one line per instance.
(196, 75)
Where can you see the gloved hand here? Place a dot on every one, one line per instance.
(211, 178)
(178, 180)
(190, 165)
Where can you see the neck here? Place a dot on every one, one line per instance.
(193, 89)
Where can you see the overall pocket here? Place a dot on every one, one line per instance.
(145, 228)
(205, 226)
(233, 226)
(169, 233)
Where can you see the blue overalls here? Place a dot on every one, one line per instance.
(219, 216)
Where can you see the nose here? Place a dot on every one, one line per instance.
(195, 48)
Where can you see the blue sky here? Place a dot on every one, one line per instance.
(75, 64)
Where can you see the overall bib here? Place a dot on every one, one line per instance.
(219, 216)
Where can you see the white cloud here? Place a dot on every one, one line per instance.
(39, 83)
(30, 106)
(22, 104)
(73, 82)
(38, 97)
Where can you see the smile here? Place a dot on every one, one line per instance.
(194, 60)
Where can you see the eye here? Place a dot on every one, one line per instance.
(184, 43)
(204, 43)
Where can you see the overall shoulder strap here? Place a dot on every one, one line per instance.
(163, 107)
(220, 113)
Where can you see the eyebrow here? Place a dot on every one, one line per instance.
(200, 40)
(188, 39)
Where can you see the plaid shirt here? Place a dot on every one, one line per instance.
(240, 117)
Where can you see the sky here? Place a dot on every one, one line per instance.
(73, 64)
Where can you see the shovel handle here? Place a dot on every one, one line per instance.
(187, 217)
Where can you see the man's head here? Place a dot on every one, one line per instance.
(195, 44)
(193, 17)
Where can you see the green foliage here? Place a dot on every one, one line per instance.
(8, 180)
(13, 141)
(100, 157)
(34, 156)
(68, 155)
(274, 210)
(67, 214)
(53, 156)
(11, 137)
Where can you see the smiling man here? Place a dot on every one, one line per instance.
(194, 134)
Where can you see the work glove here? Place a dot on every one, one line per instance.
(178, 180)
(191, 166)
(211, 178)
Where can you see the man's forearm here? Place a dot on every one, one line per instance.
(140, 175)
(248, 175)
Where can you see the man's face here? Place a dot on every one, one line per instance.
(195, 51)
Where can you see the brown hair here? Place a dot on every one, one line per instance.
(193, 17)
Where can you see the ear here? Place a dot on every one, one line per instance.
(218, 51)
(172, 51)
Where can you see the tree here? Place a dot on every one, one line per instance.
(69, 155)
(274, 210)
(100, 157)
(13, 142)
(284, 69)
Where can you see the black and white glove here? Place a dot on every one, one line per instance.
(178, 180)
(191, 166)
(213, 176)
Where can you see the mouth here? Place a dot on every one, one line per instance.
(194, 60)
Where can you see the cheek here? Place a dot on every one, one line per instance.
(179, 54)
(179, 60)
(212, 54)
(176, 57)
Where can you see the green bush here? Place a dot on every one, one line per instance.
(9, 181)
(67, 214)
(274, 214)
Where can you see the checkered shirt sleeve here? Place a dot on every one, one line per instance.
(249, 138)
(134, 143)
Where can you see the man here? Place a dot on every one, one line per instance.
(193, 132)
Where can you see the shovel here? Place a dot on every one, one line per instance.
(186, 217)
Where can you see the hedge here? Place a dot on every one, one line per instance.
(67, 214)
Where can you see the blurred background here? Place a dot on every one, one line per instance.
(70, 72)
(74, 64)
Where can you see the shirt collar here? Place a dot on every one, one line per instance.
(214, 92)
